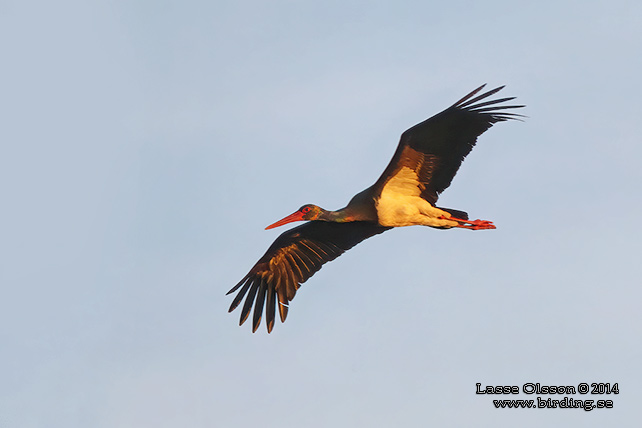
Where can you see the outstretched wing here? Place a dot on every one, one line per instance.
(295, 256)
(430, 153)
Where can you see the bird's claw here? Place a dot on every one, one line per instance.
(480, 225)
(473, 224)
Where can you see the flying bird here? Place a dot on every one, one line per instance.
(424, 164)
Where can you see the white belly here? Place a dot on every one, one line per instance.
(410, 211)
(400, 204)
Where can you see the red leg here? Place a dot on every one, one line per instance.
(471, 224)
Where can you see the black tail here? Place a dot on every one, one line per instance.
(455, 213)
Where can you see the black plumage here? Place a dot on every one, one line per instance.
(436, 147)
(292, 259)
(432, 150)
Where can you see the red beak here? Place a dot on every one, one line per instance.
(297, 216)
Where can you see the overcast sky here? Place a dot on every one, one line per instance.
(146, 144)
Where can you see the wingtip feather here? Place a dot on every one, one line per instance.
(283, 307)
(245, 312)
(236, 287)
(469, 95)
(269, 306)
(258, 305)
(239, 296)
(480, 97)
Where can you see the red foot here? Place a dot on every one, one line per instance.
(471, 224)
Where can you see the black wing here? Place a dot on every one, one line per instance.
(295, 256)
(435, 148)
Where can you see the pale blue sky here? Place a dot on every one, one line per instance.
(145, 146)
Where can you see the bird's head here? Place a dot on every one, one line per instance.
(306, 212)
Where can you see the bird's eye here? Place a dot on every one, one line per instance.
(305, 210)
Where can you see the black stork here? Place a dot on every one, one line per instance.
(427, 158)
